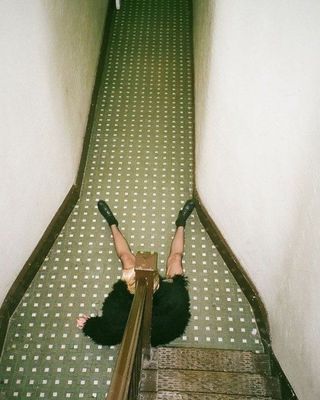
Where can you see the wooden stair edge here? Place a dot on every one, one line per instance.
(209, 359)
(186, 373)
(165, 395)
(222, 383)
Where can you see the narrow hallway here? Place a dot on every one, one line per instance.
(141, 162)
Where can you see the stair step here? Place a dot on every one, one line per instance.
(212, 360)
(230, 383)
(164, 395)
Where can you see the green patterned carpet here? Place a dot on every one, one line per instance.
(141, 162)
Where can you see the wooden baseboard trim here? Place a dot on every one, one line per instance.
(287, 392)
(250, 292)
(36, 259)
(99, 75)
(34, 262)
(237, 271)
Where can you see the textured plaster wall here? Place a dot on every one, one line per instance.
(257, 96)
(49, 52)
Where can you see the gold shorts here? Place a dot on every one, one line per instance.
(129, 276)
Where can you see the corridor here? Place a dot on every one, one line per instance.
(141, 161)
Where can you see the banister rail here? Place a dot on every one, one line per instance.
(136, 339)
(119, 387)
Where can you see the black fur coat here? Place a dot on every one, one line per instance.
(170, 313)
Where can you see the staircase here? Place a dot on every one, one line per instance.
(207, 374)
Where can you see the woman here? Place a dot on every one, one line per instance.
(171, 303)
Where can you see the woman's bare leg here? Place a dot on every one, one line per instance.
(123, 251)
(122, 248)
(174, 262)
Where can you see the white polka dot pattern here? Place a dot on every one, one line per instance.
(141, 162)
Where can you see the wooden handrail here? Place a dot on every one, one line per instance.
(119, 387)
(146, 268)
(136, 338)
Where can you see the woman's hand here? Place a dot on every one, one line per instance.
(81, 320)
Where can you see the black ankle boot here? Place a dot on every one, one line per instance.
(185, 213)
(107, 213)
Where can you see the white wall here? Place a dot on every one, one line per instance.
(49, 52)
(257, 76)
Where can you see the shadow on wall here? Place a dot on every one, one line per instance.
(49, 55)
(73, 48)
(203, 18)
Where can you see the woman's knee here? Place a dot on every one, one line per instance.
(128, 260)
(174, 265)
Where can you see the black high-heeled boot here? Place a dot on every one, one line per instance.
(107, 213)
(185, 213)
